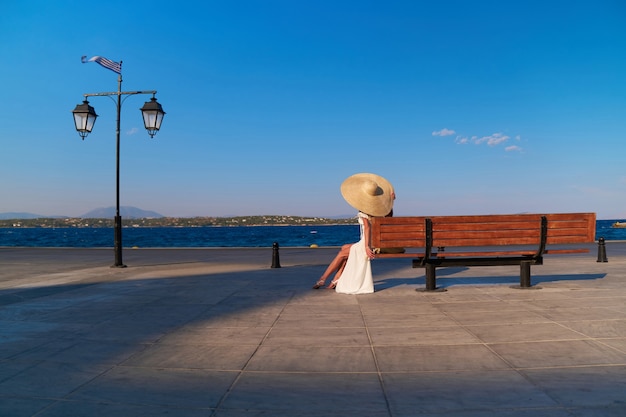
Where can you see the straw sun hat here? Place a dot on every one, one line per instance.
(368, 193)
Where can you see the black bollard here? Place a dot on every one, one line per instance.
(275, 257)
(602, 250)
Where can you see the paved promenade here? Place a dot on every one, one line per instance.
(217, 332)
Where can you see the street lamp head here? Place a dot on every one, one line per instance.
(84, 118)
(152, 116)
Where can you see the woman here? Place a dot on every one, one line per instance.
(372, 195)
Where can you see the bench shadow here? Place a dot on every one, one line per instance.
(419, 279)
(514, 279)
(446, 279)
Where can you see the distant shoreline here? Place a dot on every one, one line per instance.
(180, 222)
(239, 221)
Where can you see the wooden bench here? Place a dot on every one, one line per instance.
(490, 240)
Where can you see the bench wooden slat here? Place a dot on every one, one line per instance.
(488, 218)
(570, 216)
(567, 240)
(406, 234)
(411, 220)
(565, 251)
(532, 236)
(478, 221)
(485, 253)
(476, 242)
(569, 231)
(399, 255)
(486, 226)
(403, 244)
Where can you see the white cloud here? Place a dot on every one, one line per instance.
(132, 131)
(491, 140)
(444, 132)
(495, 139)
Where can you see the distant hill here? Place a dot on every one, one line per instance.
(99, 213)
(14, 215)
(125, 211)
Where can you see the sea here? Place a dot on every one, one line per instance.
(209, 237)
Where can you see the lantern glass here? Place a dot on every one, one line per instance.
(152, 116)
(84, 118)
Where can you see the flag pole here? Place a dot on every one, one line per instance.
(118, 218)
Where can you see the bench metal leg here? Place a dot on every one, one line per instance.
(524, 275)
(431, 279)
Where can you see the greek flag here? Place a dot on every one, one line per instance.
(106, 63)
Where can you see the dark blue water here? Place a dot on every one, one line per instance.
(604, 229)
(179, 237)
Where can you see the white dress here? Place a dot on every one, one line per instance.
(357, 275)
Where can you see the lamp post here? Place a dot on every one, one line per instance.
(85, 118)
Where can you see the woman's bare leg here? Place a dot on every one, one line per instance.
(333, 283)
(337, 264)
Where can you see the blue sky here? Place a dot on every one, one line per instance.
(467, 107)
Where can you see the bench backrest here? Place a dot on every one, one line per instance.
(485, 230)
(565, 228)
(394, 232)
(494, 230)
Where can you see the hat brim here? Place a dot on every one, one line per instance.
(368, 193)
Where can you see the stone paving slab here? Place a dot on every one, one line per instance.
(217, 332)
